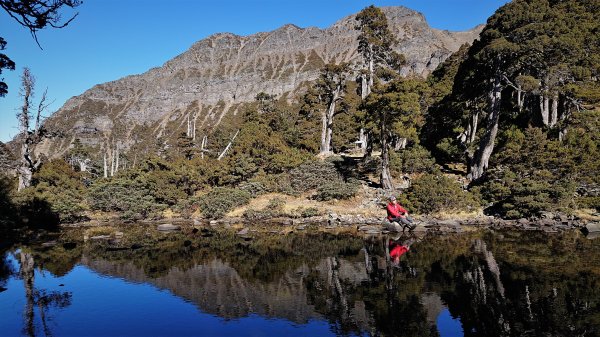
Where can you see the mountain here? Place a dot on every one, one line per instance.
(210, 82)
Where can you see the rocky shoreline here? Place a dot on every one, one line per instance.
(548, 223)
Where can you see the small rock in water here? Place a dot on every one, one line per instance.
(100, 237)
(49, 244)
(168, 227)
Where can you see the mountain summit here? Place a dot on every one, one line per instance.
(217, 75)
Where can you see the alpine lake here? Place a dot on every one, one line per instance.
(208, 281)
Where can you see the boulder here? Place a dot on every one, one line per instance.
(591, 228)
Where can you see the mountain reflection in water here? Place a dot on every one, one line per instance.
(475, 284)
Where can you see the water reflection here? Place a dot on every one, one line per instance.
(476, 284)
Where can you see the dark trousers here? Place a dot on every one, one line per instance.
(403, 220)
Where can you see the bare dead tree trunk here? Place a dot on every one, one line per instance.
(482, 155)
(203, 146)
(228, 146)
(25, 168)
(105, 166)
(112, 161)
(117, 160)
(41, 107)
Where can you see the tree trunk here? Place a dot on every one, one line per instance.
(386, 177)
(544, 109)
(228, 146)
(474, 122)
(117, 160)
(520, 98)
(327, 132)
(371, 72)
(323, 147)
(25, 171)
(554, 111)
(364, 87)
(105, 166)
(112, 162)
(202, 147)
(25, 176)
(481, 158)
(400, 144)
(362, 137)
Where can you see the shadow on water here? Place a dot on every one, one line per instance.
(32, 214)
(488, 283)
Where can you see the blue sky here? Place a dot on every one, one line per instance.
(111, 39)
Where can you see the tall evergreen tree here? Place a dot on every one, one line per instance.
(375, 43)
(396, 110)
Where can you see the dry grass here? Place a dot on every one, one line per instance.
(587, 214)
(293, 204)
(458, 215)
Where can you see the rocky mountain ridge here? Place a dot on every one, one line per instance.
(195, 91)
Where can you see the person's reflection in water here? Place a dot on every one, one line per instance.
(398, 249)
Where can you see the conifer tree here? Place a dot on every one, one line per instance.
(375, 43)
(396, 110)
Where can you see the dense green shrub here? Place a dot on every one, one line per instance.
(274, 183)
(589, 202)
(132, 198)
(253, 187)
(8, 210)
(534, 174)
(57, 186)
(221, 200)
(415, 159)
(310, 212)
(436, 192)
(273, 209)
(312, 175)
(337, 189)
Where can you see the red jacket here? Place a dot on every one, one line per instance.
(397, 251)
(395, 211)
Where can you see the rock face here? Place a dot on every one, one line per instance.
(210, 83)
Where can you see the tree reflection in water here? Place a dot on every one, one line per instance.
(37, 297)
(496, 284)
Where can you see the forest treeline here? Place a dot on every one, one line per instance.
(510, 124)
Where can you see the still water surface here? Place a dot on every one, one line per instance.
(215, 283)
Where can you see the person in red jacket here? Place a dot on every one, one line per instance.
(397, 213)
